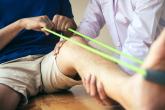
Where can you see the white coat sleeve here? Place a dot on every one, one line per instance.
(142, 30)
(93, 20)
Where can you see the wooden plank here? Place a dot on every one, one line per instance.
(74, 99)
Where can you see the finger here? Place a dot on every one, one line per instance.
(102, 95)
(45, 22)
(59, 24)
(64, 23)
(84, 82)
(93, 86)
(67, 26)
(48, 22)
(99, 100)
(46, 33)
(88, 78)
(55, 21)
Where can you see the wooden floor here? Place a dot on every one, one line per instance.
(74, 99)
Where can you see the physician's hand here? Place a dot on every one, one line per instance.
(95, 89)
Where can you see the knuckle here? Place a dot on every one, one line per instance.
(57, 15)
(45, 17)
(68, 25)
(42, 17)
(100, 91)
(54, 19)
(100, 88)
(103, 98)
(93, 82)
(88, 78)
(93, 94)
(42, 24)
(61, 18)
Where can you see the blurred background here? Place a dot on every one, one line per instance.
(79, 7)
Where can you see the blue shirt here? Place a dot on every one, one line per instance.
(30, 42)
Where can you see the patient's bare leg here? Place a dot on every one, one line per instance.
(73, 59)
(134, 93)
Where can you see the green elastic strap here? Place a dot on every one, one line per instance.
(104, 55)
(150, 75)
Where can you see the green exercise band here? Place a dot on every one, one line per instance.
(150, 75)
(104, 55)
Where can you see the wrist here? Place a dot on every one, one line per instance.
(21, 23)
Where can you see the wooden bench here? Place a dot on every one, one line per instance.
(74, 99)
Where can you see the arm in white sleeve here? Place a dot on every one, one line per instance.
(93, 20)
(142, 30)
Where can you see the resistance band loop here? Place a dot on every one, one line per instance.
(104, 55)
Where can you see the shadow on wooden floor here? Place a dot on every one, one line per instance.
(74, 99)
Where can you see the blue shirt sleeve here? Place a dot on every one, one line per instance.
(66, 9)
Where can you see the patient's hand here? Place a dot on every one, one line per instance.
(62, 23)
(95, 89)
(37, 23)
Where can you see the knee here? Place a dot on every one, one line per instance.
(68, 53)
(73, 47)
(79, 39)
(70, 50)
(67, 46)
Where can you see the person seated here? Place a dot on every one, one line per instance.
(22, 48)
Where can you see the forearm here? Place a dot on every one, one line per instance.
(9, 32)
